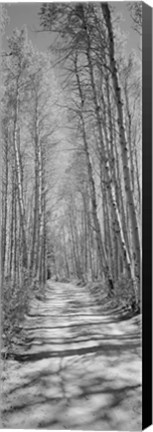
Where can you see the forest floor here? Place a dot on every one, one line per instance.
(78, 366)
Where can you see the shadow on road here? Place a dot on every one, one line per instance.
(75, 372)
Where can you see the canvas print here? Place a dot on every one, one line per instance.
(71, 137)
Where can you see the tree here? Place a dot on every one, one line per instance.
(28, 138)
(136, 15)
(123, 141)
(88, 56)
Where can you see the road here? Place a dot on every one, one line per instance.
(79, 366)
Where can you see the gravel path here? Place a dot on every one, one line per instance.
(79, 367)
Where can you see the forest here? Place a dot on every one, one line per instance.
(71, 161)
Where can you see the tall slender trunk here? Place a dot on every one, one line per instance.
(11, 227)
(137, 169)
(75, 251)
(44, 263)
(15, 234)
(65, 253)
(76, 235)
(19, 177)
(129, 128)
(41, 208)
(5, 204)
(86, 234)
(35, 234)
(113, 186)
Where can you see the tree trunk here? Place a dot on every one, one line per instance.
(19, 178)
(4, 204)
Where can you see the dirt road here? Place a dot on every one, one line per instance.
(79, 367)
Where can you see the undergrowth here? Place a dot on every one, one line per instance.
(125, 296)
(122, 296)
(15, 302)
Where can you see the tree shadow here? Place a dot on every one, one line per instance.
(87, 373)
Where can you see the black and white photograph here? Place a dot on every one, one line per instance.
(71, 215)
